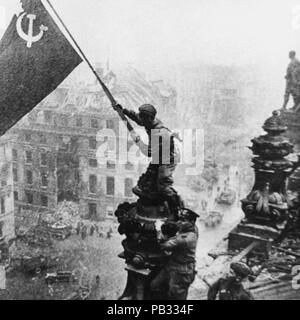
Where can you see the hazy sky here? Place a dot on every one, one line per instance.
(154, 33)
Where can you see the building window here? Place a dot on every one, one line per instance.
(79, 122)
(29, 197)
(93, 163)
(93, 184)
(110, 124)
(129, 166)
(44, 159)
(29, 177)
(111, 165)
(93, 143)
(3, 183)
(2, 205)
(16, 196)
(44, 201)
(27, 137)
(44, 179)
(28, 157)
(94, 123)
(15, 155)
(110, 186)
(109, 212)
(92, 211)
(15, 174)
(128, 188)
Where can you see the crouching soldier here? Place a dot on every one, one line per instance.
(231, 288)
(179, 272)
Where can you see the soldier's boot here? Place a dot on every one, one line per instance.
(147, 183)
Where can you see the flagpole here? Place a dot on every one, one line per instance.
(104, 87)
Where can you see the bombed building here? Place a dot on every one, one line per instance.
(51, 155)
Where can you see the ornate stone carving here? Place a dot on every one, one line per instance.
(267, 203)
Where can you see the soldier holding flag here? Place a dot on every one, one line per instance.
(161, 149)
(35, 57)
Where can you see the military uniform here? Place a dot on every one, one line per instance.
(179, 272)
(228, 289)
(231, 288)
(162, 149)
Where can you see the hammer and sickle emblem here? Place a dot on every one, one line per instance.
(29, 38)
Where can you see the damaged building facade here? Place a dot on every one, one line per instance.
(7, 214)
(53, 151)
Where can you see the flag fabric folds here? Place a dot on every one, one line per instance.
(35, 57)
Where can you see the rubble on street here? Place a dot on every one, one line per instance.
(81, 293)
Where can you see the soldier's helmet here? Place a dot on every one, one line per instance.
(148, 109)
(188, 215)
(241, 269)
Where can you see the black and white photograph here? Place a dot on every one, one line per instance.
(149, 151)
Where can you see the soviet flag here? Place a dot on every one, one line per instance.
(35, 57)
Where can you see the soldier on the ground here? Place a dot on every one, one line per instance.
(293, 81)
(231, 288)
(161, 148)
(174, 280)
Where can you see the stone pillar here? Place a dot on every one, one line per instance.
(266, 207)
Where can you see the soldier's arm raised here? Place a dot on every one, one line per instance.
(133, 116)
(128, 113)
